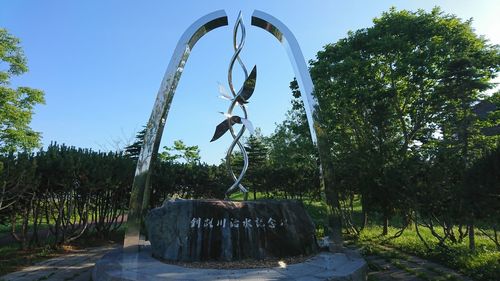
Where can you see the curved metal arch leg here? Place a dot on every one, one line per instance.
(306, 86)
(141, 188)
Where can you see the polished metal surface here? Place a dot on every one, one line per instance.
(236, 138)
(240, 99)
(312, 108)
(141, 189)
(286, 37)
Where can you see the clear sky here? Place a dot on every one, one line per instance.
(100, 63)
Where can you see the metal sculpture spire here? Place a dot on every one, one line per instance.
(239, 98)
(141, 189)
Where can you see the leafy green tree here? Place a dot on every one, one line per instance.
(291, 142)
(483, 184)
(185, 180)
(387, 91)
(20, 182)
(16, 105)
(16, 110)
(190, 154)
(293, 158)
(258, 163)
(80, 186)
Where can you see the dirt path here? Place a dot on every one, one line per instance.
(391, 265)
(73, 267)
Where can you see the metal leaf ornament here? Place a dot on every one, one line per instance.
(248, 87)
(241, 98)
(238, 98)
(223, 93)
(223, 127)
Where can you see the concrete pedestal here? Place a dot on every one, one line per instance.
(122, 266)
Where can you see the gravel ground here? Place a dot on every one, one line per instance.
(243, 264)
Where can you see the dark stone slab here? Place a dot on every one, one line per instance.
(201, 230)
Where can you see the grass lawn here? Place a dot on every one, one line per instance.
(484, 264)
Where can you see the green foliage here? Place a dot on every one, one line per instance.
(16, 105)
(65, 190)
(189, 154)
(187, 181)
(258, 168)
(318, 211)
(291, 144)
(397, 101)
(293, 159)
(132, 151)
(480, 265)
(412, 137)
(483, 186)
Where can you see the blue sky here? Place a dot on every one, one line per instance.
(100, 63)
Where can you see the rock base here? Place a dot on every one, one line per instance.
(219, 230)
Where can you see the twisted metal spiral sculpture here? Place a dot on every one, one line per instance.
(239, 98)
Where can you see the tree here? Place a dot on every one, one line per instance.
(16, 105)
(190, 154)
(132, 151)
(387, 91)
(291, 141)
(258, 162)
(67, 189)
(292, 156)
(16, 111)
(483, 184)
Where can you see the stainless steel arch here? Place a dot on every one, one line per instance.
(306, 86)
(141, 188)
(286, 37)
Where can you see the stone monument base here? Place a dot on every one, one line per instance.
(221, 230)
(120, 265)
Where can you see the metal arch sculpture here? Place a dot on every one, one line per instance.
(141, 187)
(286, 37)
(306, 86)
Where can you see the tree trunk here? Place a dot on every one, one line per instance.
(496, 236)
(34, 237)
(386, 225)
(24, 228)
(364, 221)
(418, 232)
(472, 239)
